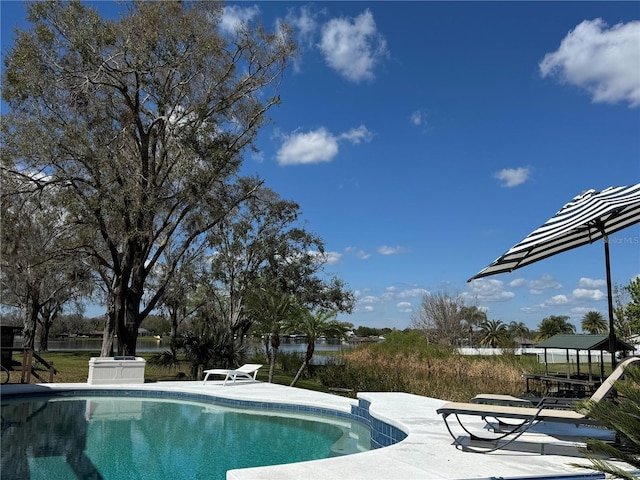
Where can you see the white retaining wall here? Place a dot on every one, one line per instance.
(553, 355)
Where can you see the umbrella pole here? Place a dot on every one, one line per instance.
(612, 333)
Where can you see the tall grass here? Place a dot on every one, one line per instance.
(409, 364)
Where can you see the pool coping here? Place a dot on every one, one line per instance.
(425, 449)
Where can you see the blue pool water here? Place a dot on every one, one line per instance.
(115, 438)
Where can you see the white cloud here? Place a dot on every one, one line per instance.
(512, 177)
(389, 294)
(591, 283)
(531, 309)
(488, 290)
(412, 292)
(303, 23)
(557, 300)
(369, 299)
(357, 135)
(330, 258)
(545, 282)
(392, 293)
(235, 16)
(386, 250)
(604, 61)
(588, 294)
(317, 146)
(579, 296)
(361, 254)
(304, 26)
(404, 307)
(417, 118)
(368, 308)
(353, 48)
(257, 157)
(311, 147)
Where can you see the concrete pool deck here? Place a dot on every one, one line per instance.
(426, 453)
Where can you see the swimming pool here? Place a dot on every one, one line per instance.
(129, 437)
(416, 442)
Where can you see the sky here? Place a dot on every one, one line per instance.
(422, 140)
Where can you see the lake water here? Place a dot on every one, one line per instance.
(148, 344)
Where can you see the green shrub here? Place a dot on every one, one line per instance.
(411, 343)
(289, 362)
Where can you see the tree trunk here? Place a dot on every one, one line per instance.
(109, 328)
(47, 320)
(128, 331)
(196, 368)
(299, 374)
(239, 324)
(49, 314)
(173, 342)
(239, 335)
(30, 323)
(275, 346)
(311, 348)
(272, 363)
(123, 318)
(44, 336)
(107, 339)
(267, 346)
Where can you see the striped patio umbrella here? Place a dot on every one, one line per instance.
(587, 218)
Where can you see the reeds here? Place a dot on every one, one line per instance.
(429, 371)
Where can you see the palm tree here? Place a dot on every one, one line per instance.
(554, 325)
(208, 344)
(519, 330)
(472, 317)
(269, 310)
(314, 326)
(493, 333)
(594, 323)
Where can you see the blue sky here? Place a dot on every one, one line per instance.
(423, 139)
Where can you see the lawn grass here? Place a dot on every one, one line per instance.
(73, 367)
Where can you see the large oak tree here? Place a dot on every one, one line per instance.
(140, 123)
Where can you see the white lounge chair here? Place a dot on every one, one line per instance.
(248, 371)
(530, 414)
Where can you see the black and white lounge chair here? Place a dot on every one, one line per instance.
(527, 415)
